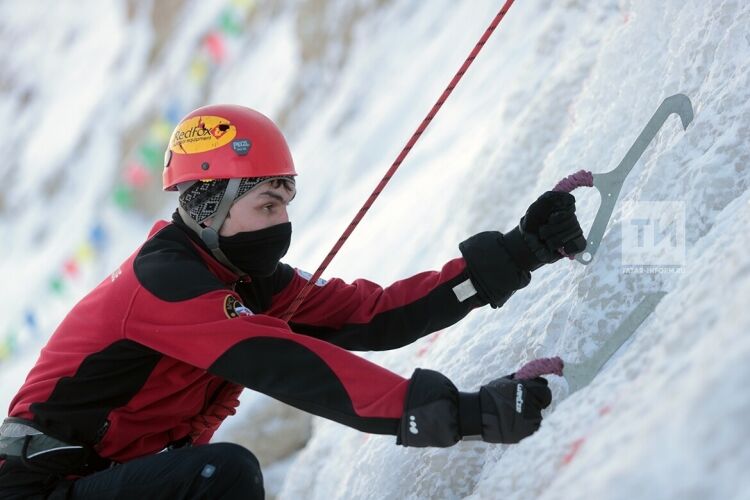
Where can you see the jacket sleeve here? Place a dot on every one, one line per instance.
(362, 315)
(212, 331)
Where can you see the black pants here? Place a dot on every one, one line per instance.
(222, 470)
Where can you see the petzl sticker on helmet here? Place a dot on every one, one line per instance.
(201, 133)
(241, 146)
(233, 308)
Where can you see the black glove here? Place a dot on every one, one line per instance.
(512, 409)
(549, 224)
(503, 411)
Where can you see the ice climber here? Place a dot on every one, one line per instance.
(126, 394)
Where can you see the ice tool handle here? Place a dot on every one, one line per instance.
(609, 184)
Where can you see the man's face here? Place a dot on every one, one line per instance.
(263, 206)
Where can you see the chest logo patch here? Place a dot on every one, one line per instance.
(233, 308)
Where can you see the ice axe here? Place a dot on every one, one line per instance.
(579, 375)
(609, 184)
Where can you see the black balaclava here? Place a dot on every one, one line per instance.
(255, 253)
(258, 252)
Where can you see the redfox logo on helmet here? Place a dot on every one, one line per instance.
(201, 133)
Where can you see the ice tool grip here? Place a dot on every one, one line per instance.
(539, 367)
(609, 184)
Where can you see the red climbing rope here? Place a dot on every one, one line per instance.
(409, 145)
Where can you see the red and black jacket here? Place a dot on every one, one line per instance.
(148, 350)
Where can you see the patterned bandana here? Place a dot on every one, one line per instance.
(201, 200)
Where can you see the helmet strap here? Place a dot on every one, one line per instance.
(210, 234)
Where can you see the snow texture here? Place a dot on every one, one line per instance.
(561, 86)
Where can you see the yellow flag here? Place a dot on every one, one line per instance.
(85, 252)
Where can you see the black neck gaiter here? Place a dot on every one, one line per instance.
(258, 252)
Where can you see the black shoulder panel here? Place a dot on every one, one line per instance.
(78, 407)
(169, 267)
(258, 293)
(291, 373)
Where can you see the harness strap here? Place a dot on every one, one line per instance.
(25, 442)
(13, 436)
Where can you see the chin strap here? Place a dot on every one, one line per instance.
(210, 234)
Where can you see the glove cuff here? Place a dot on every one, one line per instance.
(469, 414)
(493, 272)
(430, 415)
(516, 244)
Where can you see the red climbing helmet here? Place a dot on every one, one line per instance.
(225, 141)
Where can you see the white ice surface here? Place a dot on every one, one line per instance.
(560, 86)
